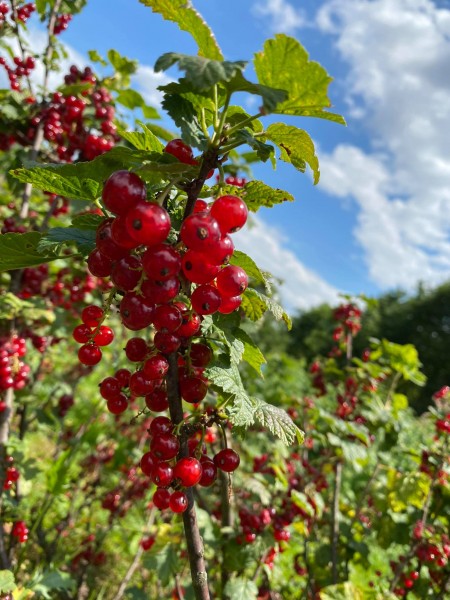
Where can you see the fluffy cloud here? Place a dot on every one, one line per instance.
(398, 53)
(281, 15)
(300, 288)
(147, 81)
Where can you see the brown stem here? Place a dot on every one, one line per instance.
(227, 516)
(191, 531)
(335, 522)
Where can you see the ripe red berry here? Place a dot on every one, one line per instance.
(136, 349)
(190, 325)
(105, 243)
(122, 191)
(123, 376)
(92, 315)
(162, 475)
(221, 252)
(136, 311)
(89, 354)
(178, 502)
(148, 463)
(104, 336)
(118, 404)
(165, 446)
(160, 425)
(181, 151)
(229, 304)
(140, 384)
(161, 262)
(161, 292)
(196, 267)
(227, 460)
(167, 318)
(157, 401)
(209, 472)
(166, 342)
(98, 264)
(193, 389)
(200, 355)
(230, 212)
(206, 299)
(148, 223)
(188, 471)
(161, 498)
(156, 367)
(110, 388)
(120, 235)
(200, 232)
(147, 543)
(82, 334)
(232, 281)
(126, 273)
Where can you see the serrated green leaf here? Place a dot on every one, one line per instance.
(257, 194)
(296, 147)
(252, 355)
(52, 580)
(278, 422)
(164, 563)
(228, 380)
(188, 19)
(185, 117)
(161, 132)
(240, 259)
(7, 581)
(239, 588)
(142, 140)
(122, 64)
(87, 221)
(284, 64)
(271, 96)
(200, 72)
(264, 151)
(95, 57)
(341, 591)
(237, 115)
(84, 239)
(130, 99)
(255, 304)
(19, 250)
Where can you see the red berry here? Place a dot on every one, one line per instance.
(82, 334)
(122, 191)
(196, 267)
(166, 342)
(165, 446)
(148, 223)
(118, 404)
(178, 502)
(206, 299)
(188, 471)
(161, 498)
(123, 376)
(148, 463)
(140, 384)
(104, 336)
(181, 151)
(92, 315)
(105, 243)
(120, 235)
(136, 311)
(200, 355)
(221, 252)
(190, 325)
(161, 292)
(89, 354)
(209, 472)
(200, 206)
(193, 389)
(110, 388)
(227, 460)
(98, 264)
(126, 273)
(162, 475)
(229, 304)
(167, 318)
(232, 281)
(147, 543)
(200, 232)
(157, 401)
(156, 366)
(161, 262)
(230, 212)
(160, 425)
(136, 349)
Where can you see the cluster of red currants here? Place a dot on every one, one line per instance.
(20, 531)
(24, 12)
(13, 371)
(23, 68)
(62, 23)
(11, 474)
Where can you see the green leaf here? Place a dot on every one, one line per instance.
(255, 304)
(237, 115)
(257, 194)
(56, 475)
(296, 147)
(239, 588)
(160, 132)
(188, 19)
(87, 221)
(284, 64)
(84, 239)
(7, 581)
(252, 355)
(94, 56)
(341, 591)
(201, 73)
(407, 490)
(240, 259)
(271, 97)
(52, 580)
(185, 117)
(278, 422)
(264, 151)
(19, 250)
(164, 563)
(301, 500)
(130, 99)
(142, 140)
(10, 306)
(228, 380)
(122, 64)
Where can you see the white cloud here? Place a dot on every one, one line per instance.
(301, 287)
(147, 81)
(398, 52)
(280, 14)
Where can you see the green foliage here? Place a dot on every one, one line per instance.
(255, 304)
(296, 147)
(239, 588)
(19, 250)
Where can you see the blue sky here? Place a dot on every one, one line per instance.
(380, 217)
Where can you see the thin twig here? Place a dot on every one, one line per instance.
(335, 522)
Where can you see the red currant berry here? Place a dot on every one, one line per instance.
(122, 191)
(156, 367)
(166, 342)
(200, 206)
(188, 471)
(148, 463)
(118, 404)
(193, 389)
(200, 232)
(147, 543)
(98, 264)
(136, 349)
(165, 446)
(105, 243)
(230, 304)
(167, 318)
(206, 299)
(120, 235)
(136, 311)
(181, 151)
(110, 388)
(227, 460)
(148, 223)
(161, 262)
(190, 326)
(82, 334)
(161, 292)
(232, 281)
(162, 475)
(92, 315)
(126, 273)
(123, 376)
(196, 267)
(200, 355)
(157, 401)
(220, 253)
(104, 336)
(178, 502)
(161, 498)
(230, 212)
(89, 354)
(140, 384)
(209, 472)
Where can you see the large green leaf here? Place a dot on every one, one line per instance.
(133, 99)
(240, 259)
(19, 250)
(278, 422)
(84, 239)
(255, 304)
(263, 151)
(257, 194)
(142, 140)
(201, 73)
(185, 117)
(284, 64)
(296, 147)
(228, 380)
(7, 581)
(271, 96)
(188, 19)
(239, 588)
